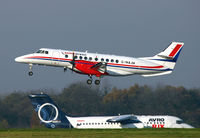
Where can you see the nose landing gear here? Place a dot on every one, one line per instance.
(30, 73)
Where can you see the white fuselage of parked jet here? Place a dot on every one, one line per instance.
(53, 117)
(141, 122)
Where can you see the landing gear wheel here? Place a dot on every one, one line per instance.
(89, 81)
(30, 73)
(97, 82)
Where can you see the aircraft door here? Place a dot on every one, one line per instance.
(55, 58)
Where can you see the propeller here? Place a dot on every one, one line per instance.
(73, 61)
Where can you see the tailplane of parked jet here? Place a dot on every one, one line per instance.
(48, 112)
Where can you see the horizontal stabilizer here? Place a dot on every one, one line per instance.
(157, 74)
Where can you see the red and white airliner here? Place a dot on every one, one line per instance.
(100, 65)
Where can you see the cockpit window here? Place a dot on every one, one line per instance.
(39, 51)
(179, 121)
(42, 52)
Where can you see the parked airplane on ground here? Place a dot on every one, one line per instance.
(50, 115)
(100, 64)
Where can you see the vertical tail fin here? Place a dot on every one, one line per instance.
(172, 51)
(48, 112)
(169, 56)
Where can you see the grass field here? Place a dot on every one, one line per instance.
(101, 133)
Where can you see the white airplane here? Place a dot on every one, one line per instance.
(101, 64)
(50, 115)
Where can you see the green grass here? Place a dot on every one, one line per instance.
(100, 133)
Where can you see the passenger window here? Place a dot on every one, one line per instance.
(107, 60)
(96, 59)
(90, 58)
(117, 61)
(46, 52)
(66, 56)
(112, 60)
(85, 58)
(102, 59)
(80, 57)
(75, 57)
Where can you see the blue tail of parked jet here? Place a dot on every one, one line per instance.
(48, 112)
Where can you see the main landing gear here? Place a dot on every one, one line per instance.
(97, 82)
(30, 73)
(89, 81)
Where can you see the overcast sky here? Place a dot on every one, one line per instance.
(121, 27)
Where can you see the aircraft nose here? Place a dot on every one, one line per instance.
(18, 59)
(187, 126)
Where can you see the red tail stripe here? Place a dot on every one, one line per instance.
(176, 49)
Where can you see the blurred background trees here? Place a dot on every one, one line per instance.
(79, 99)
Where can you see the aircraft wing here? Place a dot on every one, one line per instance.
(124, 119)
(101, 67)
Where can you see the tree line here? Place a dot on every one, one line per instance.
(79, 99)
